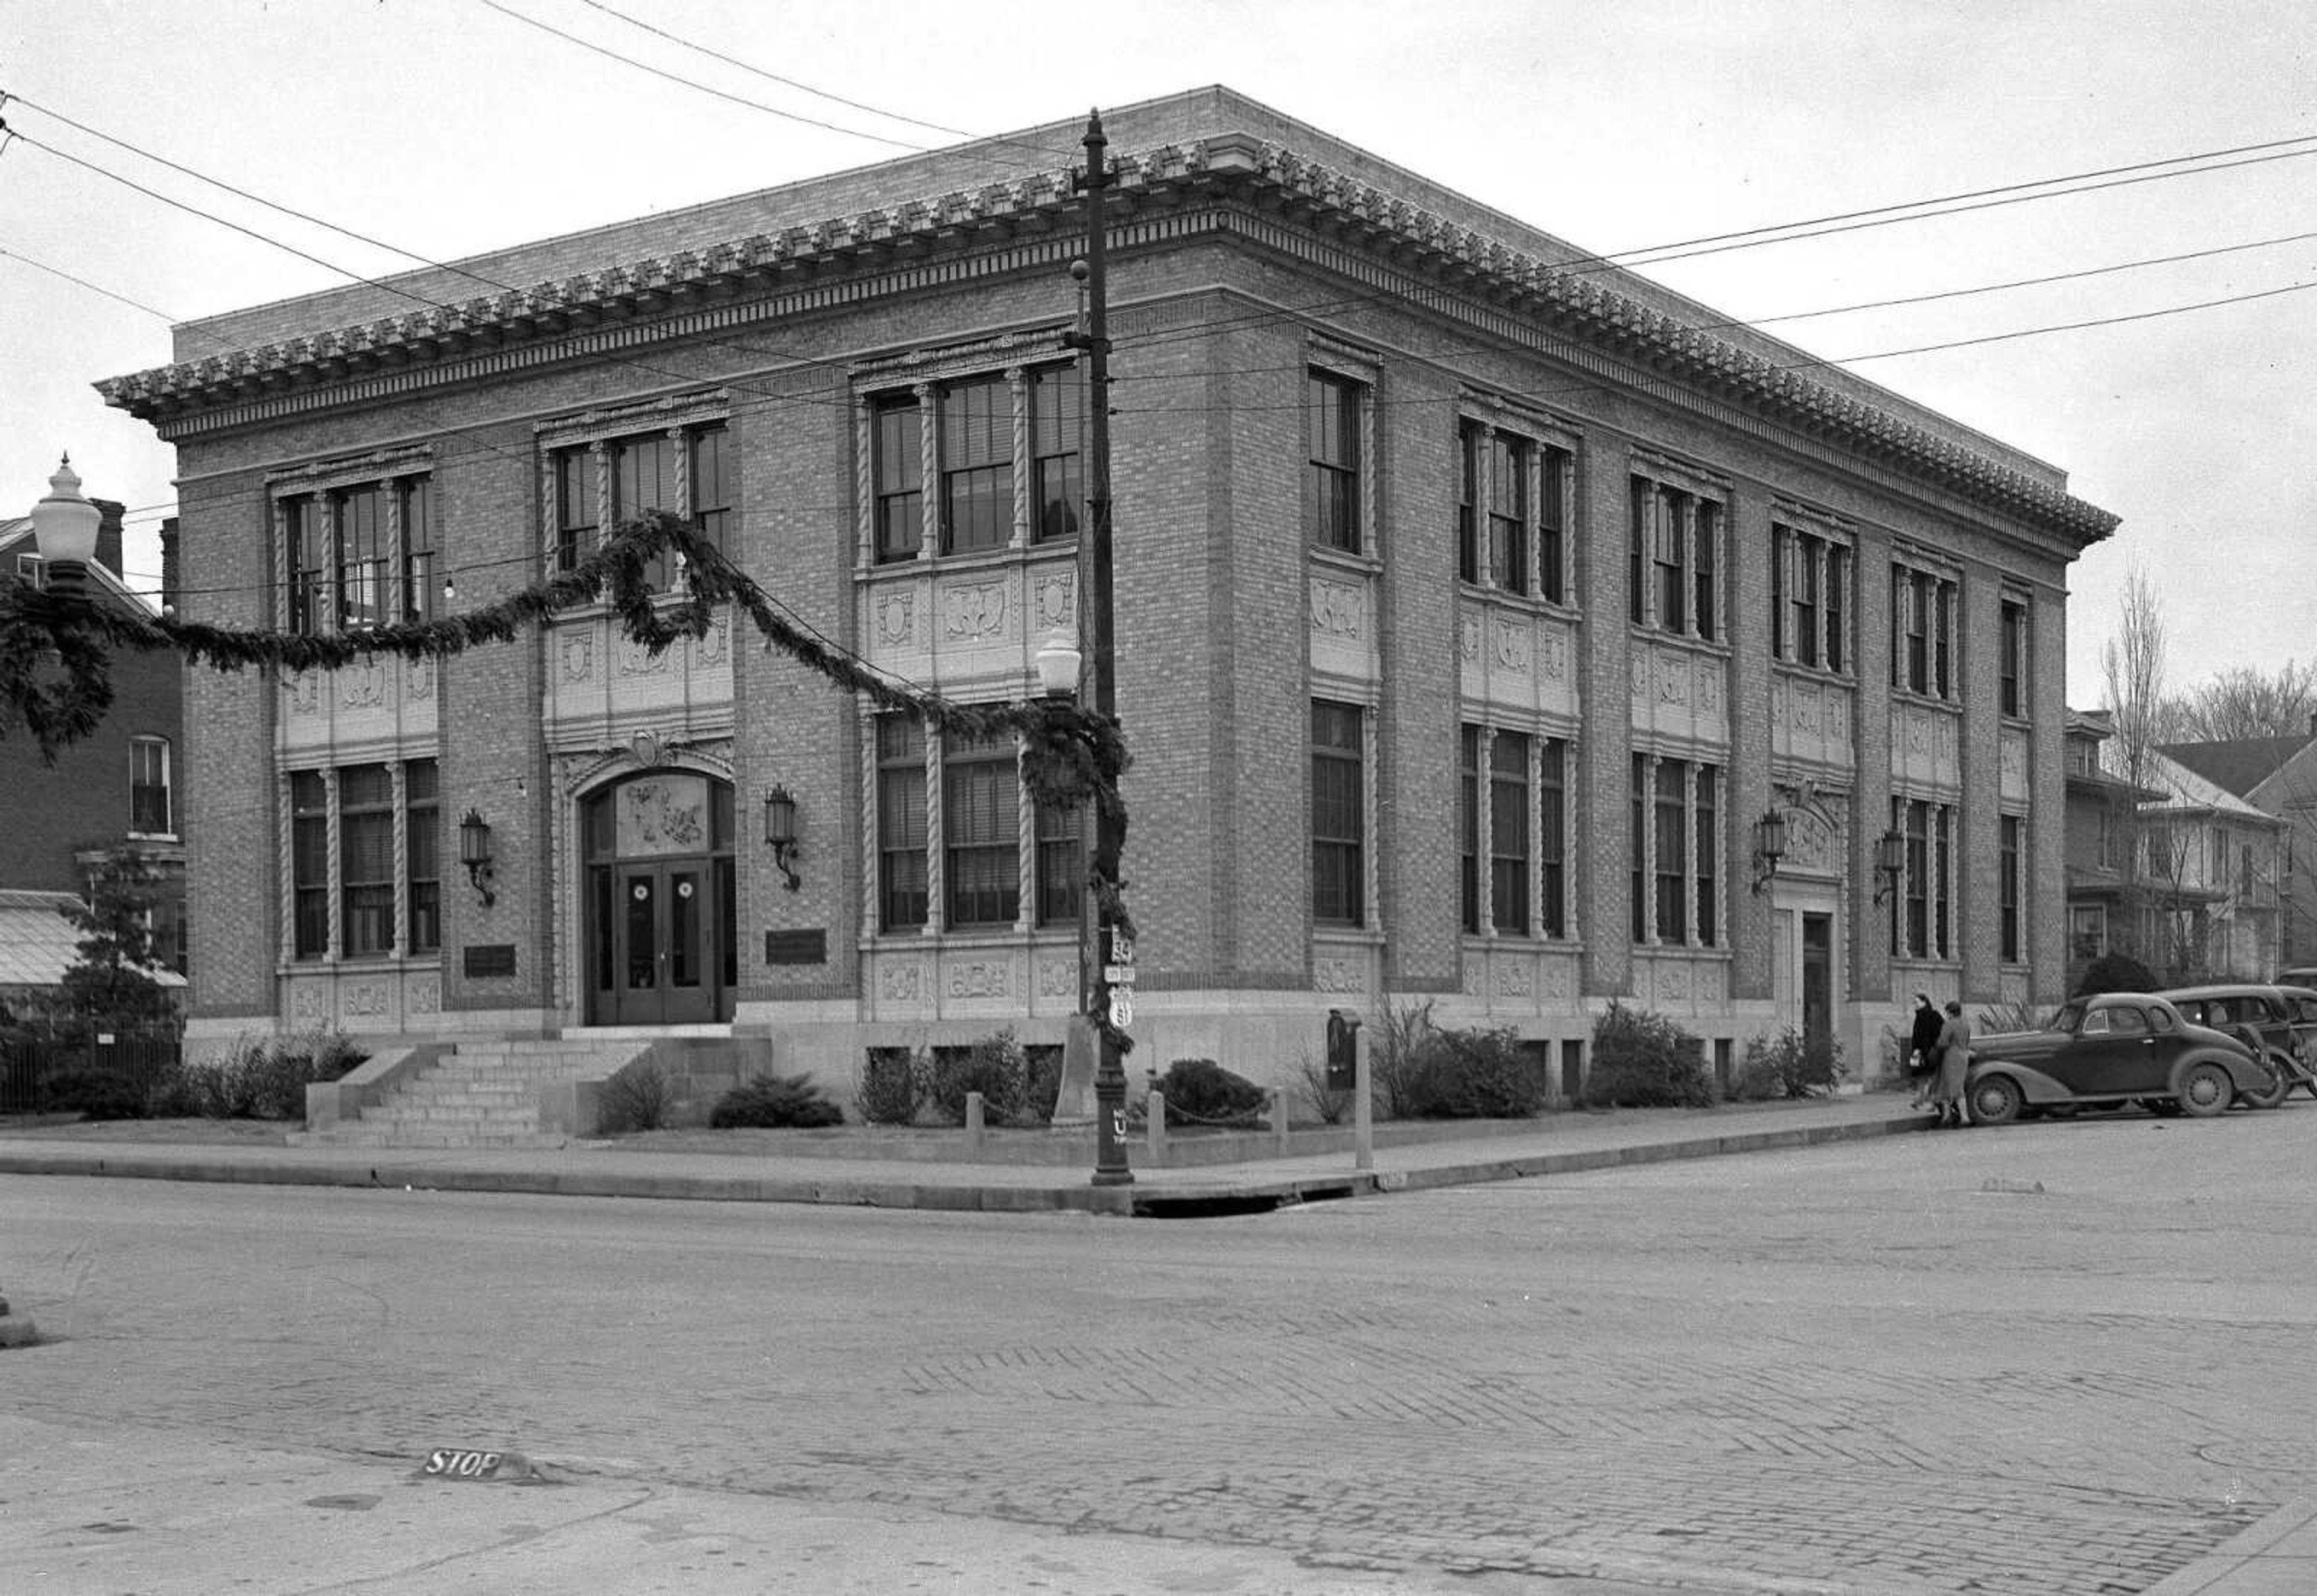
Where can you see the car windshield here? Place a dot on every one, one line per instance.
(2070, 1019)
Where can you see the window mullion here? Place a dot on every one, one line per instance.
(936, 831)
(1025, 843)
(1484, 829)
(1017, 388)
(334, 868)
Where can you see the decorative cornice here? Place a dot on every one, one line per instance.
(1570, 301)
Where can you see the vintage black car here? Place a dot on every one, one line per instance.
(2277, 1024)
(2114, 1048)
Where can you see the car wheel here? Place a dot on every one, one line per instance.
(1996, 1099)
(2280, 1087)
(2206, 1089)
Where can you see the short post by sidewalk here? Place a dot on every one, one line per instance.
(1154, 1129)
(973, 1120)
(1363, 1105)
(1279, 1120)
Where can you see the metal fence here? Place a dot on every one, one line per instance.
(42, 1074)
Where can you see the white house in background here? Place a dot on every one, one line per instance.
(2211, 870)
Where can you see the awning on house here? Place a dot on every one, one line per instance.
(38, 944)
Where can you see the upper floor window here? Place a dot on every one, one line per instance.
(979, 435)
(1338, 812)
(1923, 606)
(150, 814)
(1511, 512)
(977, 465)
(2012, 677)
(1673, 560)
(1333, 414)
(603, 485)
(1057, 430)
(348, 554)
(1810, 599)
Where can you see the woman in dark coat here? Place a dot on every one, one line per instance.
(1923, 1050)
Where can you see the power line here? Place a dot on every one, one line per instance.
(85, 282)
(1629, 256)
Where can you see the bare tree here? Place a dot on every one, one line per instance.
(2243, 703)
(2132, 665)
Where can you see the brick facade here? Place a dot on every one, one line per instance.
(786, 316)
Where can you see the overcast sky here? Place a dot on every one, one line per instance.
(447, 126)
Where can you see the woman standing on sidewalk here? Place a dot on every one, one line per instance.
(1954, 1062)
(1923, 1050)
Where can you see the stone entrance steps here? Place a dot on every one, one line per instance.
(480, 1094)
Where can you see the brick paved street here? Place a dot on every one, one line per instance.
(1890, 1366)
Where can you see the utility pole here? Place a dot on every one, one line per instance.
(1109, 1074)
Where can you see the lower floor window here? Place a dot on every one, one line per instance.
(353, 901)
(971, 840)
(1923, 908)
(1677, 864)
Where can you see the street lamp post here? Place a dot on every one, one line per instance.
(1110, 1167)
(64, 530)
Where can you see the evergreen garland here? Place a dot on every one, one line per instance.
(56, 679)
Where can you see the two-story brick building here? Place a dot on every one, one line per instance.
(1483, 612)
(115, 789)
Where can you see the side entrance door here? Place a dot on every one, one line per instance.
(1817, 978)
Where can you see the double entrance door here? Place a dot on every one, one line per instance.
(660, 931)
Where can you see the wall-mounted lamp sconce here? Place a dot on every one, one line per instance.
(1890, 862)
(475, 853)
(780, 833)
(1769, 847)
(1058, 666)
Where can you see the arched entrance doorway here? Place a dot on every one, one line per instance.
(662, 948)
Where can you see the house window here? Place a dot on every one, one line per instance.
(1333, 412)
(1922, 632)
(1509, 833)
(33, 571)
(2007, 882)
(977, 465)
(981, 836)
(901, 832)
(1338, 814)
(900, 465)
(149, 811)
(1062, 872)
(309, 864)
(1674, 555)
(1551, 836)
(415, 498)
(366, 860)
(1923, 911)
(2013, 680)
(1677, 870)
(2087, 932)
(1057, 425)
(422, 821)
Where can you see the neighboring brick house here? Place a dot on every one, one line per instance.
(2102, 807)
(117, 787)
(2278, 777)
(1475, 604)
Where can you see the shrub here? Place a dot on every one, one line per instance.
(94, 1093)
(892, 1085)
(257, 1078)
(634, 1099)
(1789, 1066)
(1330, 1103)
(1045, 1081)
(1645, 1060)
(2116, 972)
(774, 1101)
(1395, 1055)
(1201, 1091)
(994, 1066)
(1472, 1074)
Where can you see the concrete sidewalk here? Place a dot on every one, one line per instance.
(1558, 1143)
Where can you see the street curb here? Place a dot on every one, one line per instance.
(1174, 1197)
